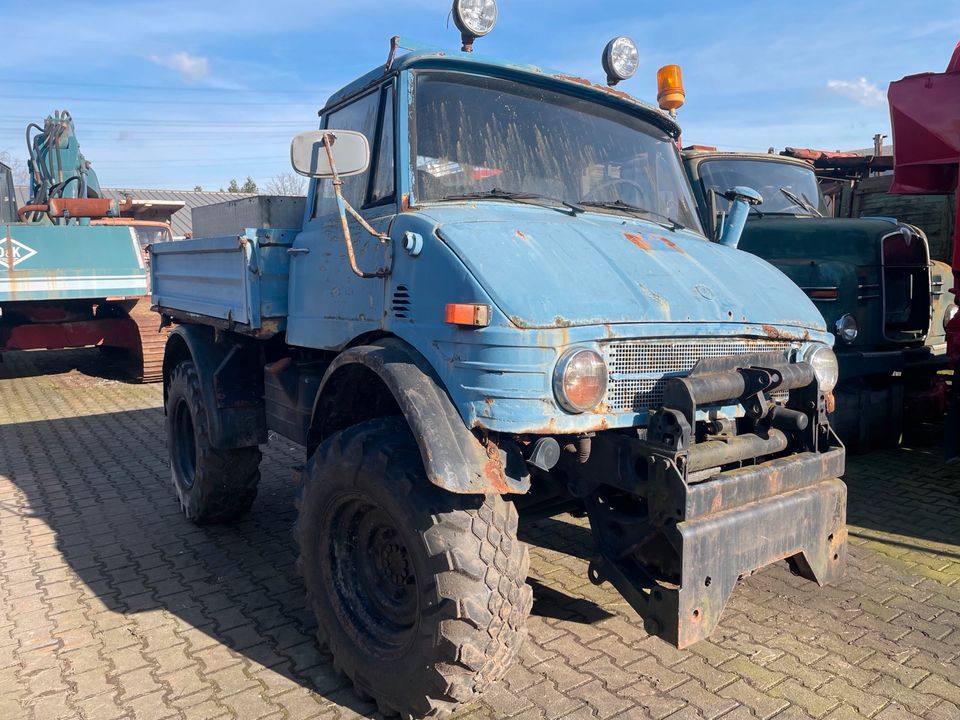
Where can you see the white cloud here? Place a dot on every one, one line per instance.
(861, 91)
(190, 67)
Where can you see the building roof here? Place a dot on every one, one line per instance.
(181, 223)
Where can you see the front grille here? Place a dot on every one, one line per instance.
(639, 368)
(906, 287)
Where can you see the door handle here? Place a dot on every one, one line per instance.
(297, 251)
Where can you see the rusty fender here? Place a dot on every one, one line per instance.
(453, 457)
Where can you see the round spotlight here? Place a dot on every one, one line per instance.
(846, 328)
(474, 18)
(621, 58)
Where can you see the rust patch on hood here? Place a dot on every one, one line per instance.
(521, 235)
(637, 239)
(770, 331)
(672, 245)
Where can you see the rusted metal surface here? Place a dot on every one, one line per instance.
(637, 239)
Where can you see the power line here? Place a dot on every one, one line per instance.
(164, 88)
(139, 101)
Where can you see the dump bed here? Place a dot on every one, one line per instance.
(40, 262)
(238, 282)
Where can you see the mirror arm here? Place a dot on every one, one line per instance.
(343, 208)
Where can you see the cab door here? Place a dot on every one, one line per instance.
(328, 304)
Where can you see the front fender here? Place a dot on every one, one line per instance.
(453, 458)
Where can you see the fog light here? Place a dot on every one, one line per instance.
(620, 60)
(580, 380)
(846, 328)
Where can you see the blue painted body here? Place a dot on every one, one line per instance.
(553, 279)
(69, 262)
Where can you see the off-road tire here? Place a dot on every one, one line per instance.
(469, 574)
(213, 485)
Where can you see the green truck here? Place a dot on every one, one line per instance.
(872, 279)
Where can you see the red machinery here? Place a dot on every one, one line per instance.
(925, 123)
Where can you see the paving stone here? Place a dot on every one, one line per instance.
(112, 605)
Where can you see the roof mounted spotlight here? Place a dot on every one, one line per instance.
(620, 59)
(474, 18)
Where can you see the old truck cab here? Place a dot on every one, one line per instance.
(500, 301)
(869, 277)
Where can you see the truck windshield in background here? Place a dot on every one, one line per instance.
(477, 135)
(775, 181)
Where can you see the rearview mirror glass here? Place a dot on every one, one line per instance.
(350, 150)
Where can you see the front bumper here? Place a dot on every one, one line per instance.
(722, 508)
(861, 363)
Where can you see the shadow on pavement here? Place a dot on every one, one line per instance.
(100, 483)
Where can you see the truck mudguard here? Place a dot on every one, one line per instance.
(453, 457)
(236, 416)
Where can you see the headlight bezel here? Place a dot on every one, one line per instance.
(825, 365)
(560, 383)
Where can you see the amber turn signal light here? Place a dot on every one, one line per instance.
(670, 93)
(474, 315)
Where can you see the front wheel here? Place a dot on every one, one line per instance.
(419, 594)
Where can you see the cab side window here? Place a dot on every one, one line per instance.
(362, 116)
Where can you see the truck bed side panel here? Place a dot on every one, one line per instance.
(240, 281)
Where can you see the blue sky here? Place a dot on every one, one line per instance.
(176, 94)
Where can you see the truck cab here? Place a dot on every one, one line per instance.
(869, 277)
(502, 304)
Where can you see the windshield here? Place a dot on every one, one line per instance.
(477, 135)
(149, 234)
(775, 181)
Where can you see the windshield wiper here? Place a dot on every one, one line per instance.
(620, 205)
(500, 194)
(801, 202)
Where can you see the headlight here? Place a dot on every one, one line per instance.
(846, 328)
(475, 17)
(825, 366)
(580, 380)
(620, 59)
(949, 315)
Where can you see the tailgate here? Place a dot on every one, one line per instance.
(61, 262)
(237, 282)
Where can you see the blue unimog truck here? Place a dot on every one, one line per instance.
(500, 303)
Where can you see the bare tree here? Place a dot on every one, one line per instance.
(287, 183)
(21, 176)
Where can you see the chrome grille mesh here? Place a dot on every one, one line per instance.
(639, 368)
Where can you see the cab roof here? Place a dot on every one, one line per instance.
(479, 64)
(703, 153)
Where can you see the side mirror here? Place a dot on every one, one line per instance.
(349, 150)
(741, 198)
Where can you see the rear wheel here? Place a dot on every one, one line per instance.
(419, 594)
(212, 485)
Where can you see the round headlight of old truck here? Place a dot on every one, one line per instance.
(846, 328)
(580, 380)
(825, 366)
(949, 315)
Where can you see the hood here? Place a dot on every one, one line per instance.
(843, 240)
(544, 268)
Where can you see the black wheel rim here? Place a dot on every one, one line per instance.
(371, 576)
(185, 444)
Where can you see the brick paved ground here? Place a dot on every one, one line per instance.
(113, 606)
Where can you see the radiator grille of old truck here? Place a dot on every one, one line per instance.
(640, 368)
(906, 287)
(401, 302)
